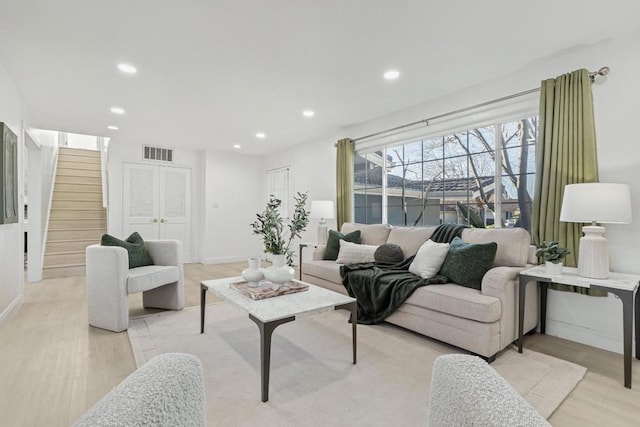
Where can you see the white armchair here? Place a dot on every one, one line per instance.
(109, 281)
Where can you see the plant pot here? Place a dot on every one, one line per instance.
(553, 267)
(279, 273)
(254, 274)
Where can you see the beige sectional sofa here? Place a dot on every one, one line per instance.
(483, 321)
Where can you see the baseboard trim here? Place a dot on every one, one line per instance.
(12, 308)
(587, 336)
(224, 260)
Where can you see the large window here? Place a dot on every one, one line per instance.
(482, 177)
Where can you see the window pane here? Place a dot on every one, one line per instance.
(517, 192)
(482, 139)
(368, 188)
(519, 159)
(455, 145)
(432, 148)
(413, 152)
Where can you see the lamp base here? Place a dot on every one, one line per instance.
(322, 234)
(593, 260)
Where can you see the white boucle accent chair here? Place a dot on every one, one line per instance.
(466, 391)
(110, 281)
(166, 391)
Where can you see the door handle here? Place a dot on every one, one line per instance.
(154, 220)
(163, 220)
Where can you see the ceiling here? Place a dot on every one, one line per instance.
(212, 73)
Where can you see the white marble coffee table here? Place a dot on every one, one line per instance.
(269, 313)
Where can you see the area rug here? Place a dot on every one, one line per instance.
(313, 382)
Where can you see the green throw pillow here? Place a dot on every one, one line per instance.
(389, 253)
(333, 243)
(138, 254)
(467, 263)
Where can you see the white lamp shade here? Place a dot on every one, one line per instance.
(596, 202)
(322, 209)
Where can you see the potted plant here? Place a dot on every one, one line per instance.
(277, 237)
(553, 254)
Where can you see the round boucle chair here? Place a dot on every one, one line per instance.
(110, 281)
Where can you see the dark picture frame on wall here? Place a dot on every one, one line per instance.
(8, 175)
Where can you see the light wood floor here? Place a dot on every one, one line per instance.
(53, 366)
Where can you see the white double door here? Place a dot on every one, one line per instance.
(157, 203)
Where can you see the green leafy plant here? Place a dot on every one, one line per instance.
(552, 252)
(277, 237)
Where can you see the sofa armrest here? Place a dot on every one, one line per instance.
(502, 283)
(466, 391)
(532, 258)
(165, 252)
(167, 390)
(318, 252)
(496, 280)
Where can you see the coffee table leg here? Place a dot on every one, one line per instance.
(353, 308)
(266, 330)
(203, 300)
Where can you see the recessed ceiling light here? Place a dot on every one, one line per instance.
(111, 127)
(127, 68)
(117, 110)
(308, 113)
(237, 146)
(261, 135)
(391, 75)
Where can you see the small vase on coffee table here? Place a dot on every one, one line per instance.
(254, 274)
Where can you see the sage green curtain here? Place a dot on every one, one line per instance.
(344, 181)
(566, 154)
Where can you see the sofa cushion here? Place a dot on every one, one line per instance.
(513, 244)
(148, 277)
(326, 269)
(371, 234)
(410, 238)
(389, 253)
(429, 259)
(353, 253)
(458, 301)
(467, 263)
(136, 250)
(333, 242)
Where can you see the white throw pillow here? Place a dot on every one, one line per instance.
(353, 253)
(429, 259)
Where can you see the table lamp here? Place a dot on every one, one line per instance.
(595, 203)
(322, 210)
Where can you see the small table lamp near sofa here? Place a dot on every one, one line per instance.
(322, 210)
(595, 203)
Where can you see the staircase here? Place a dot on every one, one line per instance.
(77, 218)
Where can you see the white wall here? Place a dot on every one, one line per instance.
(314, 170)
(41, 176)
(12, 113)
(593, 321)
(234, 194)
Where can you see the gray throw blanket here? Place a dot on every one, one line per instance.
(381, 288)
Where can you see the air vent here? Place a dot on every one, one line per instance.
(157, 153)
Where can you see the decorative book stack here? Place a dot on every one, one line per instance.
(265, 290)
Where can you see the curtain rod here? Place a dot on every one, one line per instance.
(592, 75)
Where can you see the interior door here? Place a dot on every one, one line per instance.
(174, 203)
(141, 204)
(157, 203)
